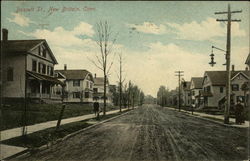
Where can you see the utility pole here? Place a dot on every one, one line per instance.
(228, 52)
(179, 74)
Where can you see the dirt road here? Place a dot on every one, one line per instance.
(152, 133)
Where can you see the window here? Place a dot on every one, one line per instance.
(240, 98)
(51, 71)
(95, 90)
(86, 94)
(43, 68)
(91, 85)
(44, 53)
(76, 94)
(193, 93)
(39, 50)
(235, 87)
(221, 89)
(34, 64)
(10, 74)
(76, 82)
(48, 70)
(207, 89)
(87, 84)
(39, 67)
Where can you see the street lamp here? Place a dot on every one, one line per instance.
(212, 63)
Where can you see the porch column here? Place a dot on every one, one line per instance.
(41, 86)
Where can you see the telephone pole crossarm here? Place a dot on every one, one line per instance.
(239, 11)
(236, 20)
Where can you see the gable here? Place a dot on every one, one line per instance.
(240, 76)
(42, 50)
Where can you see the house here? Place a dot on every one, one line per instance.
(214, 83)
(78, 85)
(195, 88)
(114, 94)
(185, 93)
(98, 90)
(27, 69)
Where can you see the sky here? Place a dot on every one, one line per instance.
(155, 38)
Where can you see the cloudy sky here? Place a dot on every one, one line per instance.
(155, 38)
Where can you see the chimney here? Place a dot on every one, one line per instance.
(5, 34)
(95, 75)
(233, 68)
(65, 66)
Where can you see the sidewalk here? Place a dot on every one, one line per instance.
(12, 133)
(9, 151)
(212, 117)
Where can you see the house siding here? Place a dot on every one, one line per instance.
(15, 88)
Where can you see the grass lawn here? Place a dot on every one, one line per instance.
(43, 137)
(12, 114)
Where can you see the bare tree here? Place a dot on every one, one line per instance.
(106, 43)
(121, 80)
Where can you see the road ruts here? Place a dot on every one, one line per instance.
(151, 133)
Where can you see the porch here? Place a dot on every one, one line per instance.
(40, 86)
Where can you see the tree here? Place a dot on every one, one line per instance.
(121, 80)
(105, 43)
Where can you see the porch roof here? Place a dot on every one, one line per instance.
(206, 94)
(41, 77)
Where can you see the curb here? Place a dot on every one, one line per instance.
(207, 119)
(44, 147)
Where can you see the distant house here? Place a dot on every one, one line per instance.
(195, 88)
(98, 90)
(114, 94)
(214, 83)
(28, 65)
(79, 85)
(185, 93)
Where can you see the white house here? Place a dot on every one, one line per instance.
(28, 68)
(98, 90)
(195, 88)
(78, 85)
(214, 83)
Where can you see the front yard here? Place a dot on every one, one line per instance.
(12, 113)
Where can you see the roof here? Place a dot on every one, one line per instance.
(24, 46)
(248, 59)
(197, 81)
(74, 74)
(44, 77)
(219, 77)
(99, 80)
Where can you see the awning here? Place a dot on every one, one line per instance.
(41, 77)
(206, 94)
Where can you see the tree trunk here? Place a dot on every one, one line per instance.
(105, 94)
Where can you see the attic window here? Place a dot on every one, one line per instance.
(39, 50)
(44, 53)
